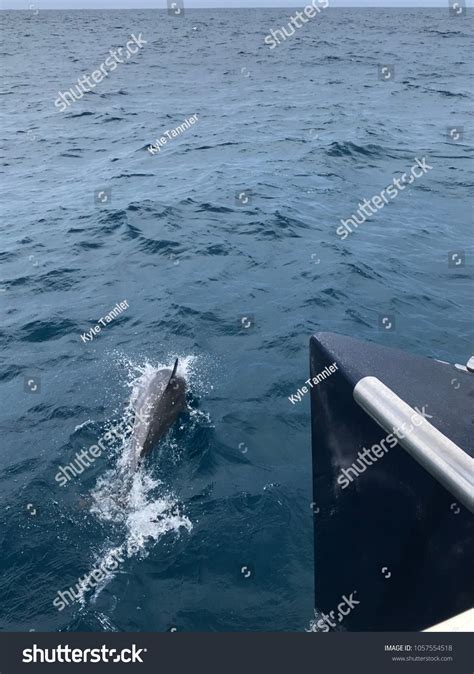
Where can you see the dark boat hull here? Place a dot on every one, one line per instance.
(394, 536)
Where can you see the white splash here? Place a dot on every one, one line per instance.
(84, 423)
(141, 505)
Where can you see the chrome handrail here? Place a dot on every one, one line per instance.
(438, 455)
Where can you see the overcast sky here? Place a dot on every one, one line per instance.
(161, 4)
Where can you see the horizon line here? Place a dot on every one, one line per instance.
(164, 9)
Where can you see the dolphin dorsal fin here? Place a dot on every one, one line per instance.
(175, 367)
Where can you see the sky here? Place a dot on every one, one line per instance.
(190, 4)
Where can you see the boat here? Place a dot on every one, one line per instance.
(393, 486)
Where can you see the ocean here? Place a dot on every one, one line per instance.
(223, 245)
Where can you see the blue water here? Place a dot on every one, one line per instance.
(217, 534)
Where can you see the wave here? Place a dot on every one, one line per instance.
(348, 149)
(43, 331)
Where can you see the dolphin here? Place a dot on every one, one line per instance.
(157, 407)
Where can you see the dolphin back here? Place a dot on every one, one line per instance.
(157, 408)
